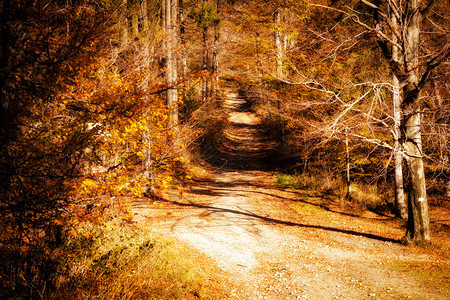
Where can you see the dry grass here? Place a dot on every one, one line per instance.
(435, 276)
(322, 183)
(118, 261)
(364, 196)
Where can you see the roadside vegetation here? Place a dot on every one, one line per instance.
(123, 261)
(364, 196)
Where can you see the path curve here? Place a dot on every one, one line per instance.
(270, 249)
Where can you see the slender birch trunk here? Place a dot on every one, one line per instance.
(182, 39)
(400, 204)
(205, 64)
(347, 165)
(124, 22)
(144, 14)
(147, 156)
(135, 23)
(278, 43)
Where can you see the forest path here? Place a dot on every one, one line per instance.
(274, 244)
(244, 143)
(241, 145)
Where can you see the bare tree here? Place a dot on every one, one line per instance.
(207, 17)
(397, 26)
(215, 54)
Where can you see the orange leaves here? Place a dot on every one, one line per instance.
(125, 121)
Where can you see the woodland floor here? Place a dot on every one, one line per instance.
(258, 242)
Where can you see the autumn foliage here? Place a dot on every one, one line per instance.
(84, 116)
(84, 128)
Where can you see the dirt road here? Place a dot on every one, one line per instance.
(276, 244)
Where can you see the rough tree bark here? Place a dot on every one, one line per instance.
(412, 76)
(400, 202)
(215, 56)
(124, 21)
(205, 64)
(418, 227)
(170, 14)
(347, 165)
(182, 39)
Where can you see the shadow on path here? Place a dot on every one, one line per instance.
(217, 189)
(270, 220)
(241, 145)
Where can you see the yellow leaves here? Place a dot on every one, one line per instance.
(74, 222)
(133, 128)
(165, 181)
(128, 216)
(155, 203)
(58, 222)
(204, 74)
(142, 126)
(137, 126)
(88, 183)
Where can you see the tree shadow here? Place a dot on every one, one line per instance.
(217, 188)
(238, 152)
(237, 145)
(270, 220)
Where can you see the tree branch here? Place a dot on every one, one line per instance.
(424, 12)
(433, 63)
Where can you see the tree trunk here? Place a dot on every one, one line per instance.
(182, 39)
(215, 57)
(124, 22)
(135, 23)
(400, 204)
(205, 64)
(215, 88)
(147, 164)
(278, 43)
(418, 227)
(347, 165)
(164, 16)
(144, 13)
(171, 14)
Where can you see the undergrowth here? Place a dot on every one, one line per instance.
(120, 262)
(323, 183)
(364, 196)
